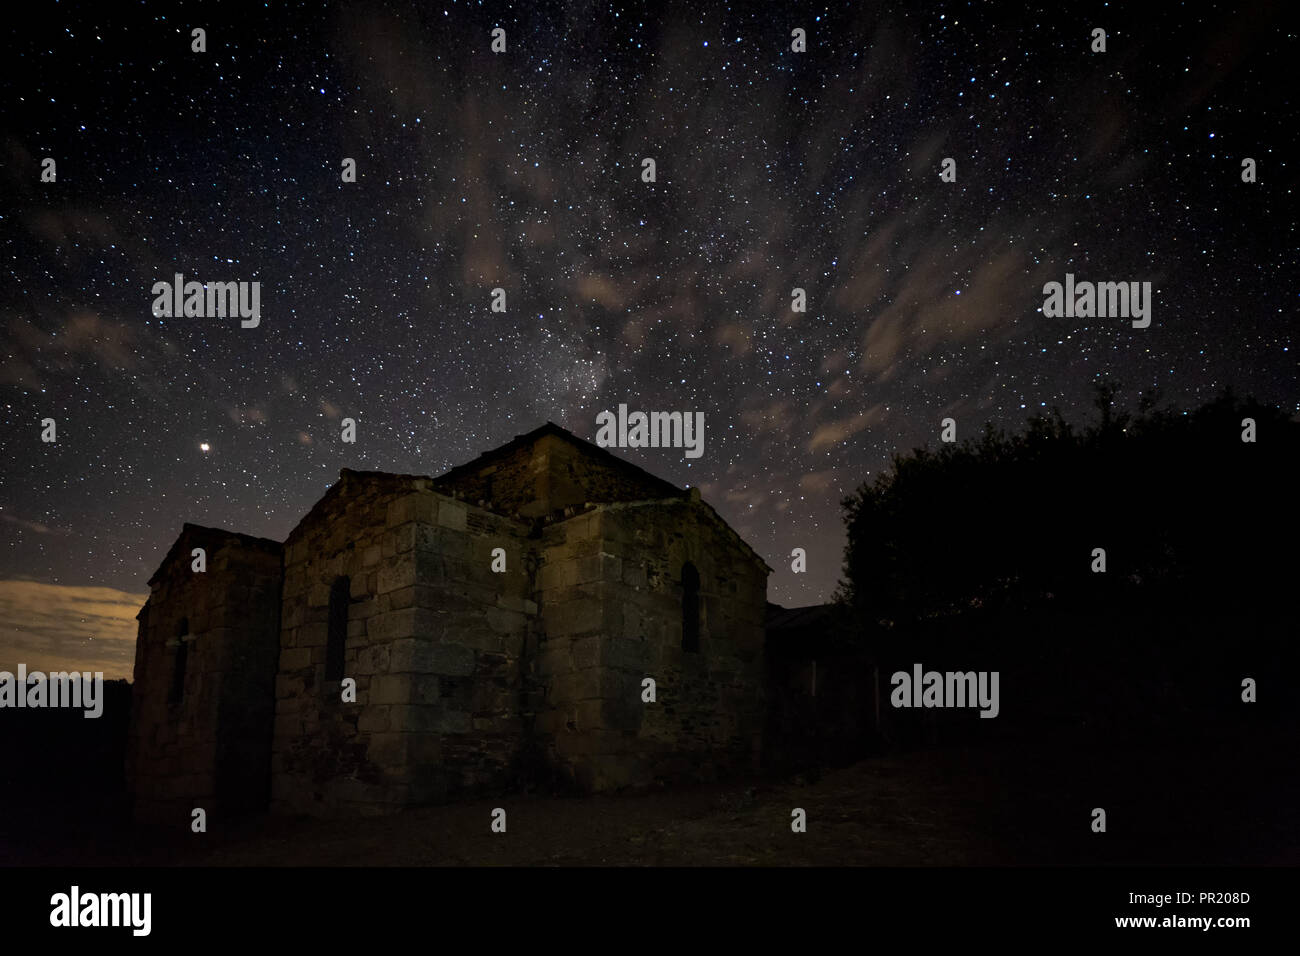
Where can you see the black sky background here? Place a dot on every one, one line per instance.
(522, 170)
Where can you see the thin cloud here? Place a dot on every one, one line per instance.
(57, 627)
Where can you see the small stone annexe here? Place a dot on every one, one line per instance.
(499, 623)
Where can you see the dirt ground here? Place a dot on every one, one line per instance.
(1205, 804)
(861, 815)
(947, 807)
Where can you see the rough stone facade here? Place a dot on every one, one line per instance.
(610, 587)
(499, 623)
(205, 663)
(434, 639)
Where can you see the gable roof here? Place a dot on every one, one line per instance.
(445, 484)
(346, 477)
(207, 538)
(588, 448)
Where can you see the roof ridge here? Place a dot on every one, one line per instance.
(190, 529)
(551, 428)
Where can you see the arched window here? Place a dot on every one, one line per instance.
(337, 639)
(690, 608)
(181, 660)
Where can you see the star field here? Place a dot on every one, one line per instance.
(522, 170)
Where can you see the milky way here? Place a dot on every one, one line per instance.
(522, 170)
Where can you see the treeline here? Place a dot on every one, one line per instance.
(981, 556)
(1185, 511)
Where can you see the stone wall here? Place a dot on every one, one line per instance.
(581, 473)
(434, 639)
(467, 679)
(546, 472)
(208, 746)
(611, 597)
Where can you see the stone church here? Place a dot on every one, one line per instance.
(500, 623)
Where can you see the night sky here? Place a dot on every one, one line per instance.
(522, 170)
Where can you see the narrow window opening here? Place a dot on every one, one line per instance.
(337, 639)
(182, 660)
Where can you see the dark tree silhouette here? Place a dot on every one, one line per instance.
(1185, 510)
